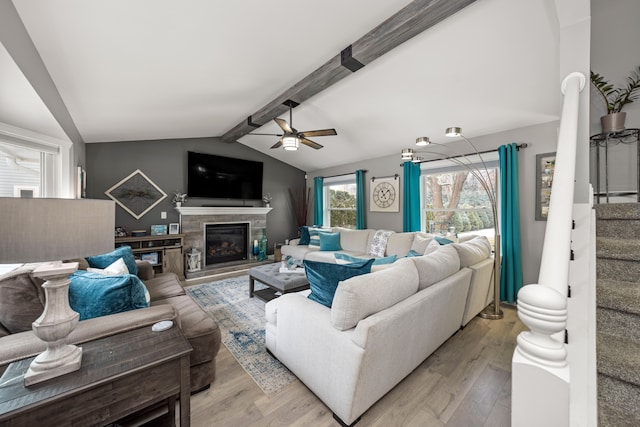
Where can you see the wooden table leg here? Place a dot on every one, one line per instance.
(171, 410)
(251, 286)
(185, 392)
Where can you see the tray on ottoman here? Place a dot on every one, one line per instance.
(270, 275)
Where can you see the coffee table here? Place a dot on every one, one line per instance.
(270, 275)
(120, 375)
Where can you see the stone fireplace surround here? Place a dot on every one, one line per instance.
(193, 220)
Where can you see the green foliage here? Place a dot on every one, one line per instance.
(456, 221)
(616, 98)
(342, 218)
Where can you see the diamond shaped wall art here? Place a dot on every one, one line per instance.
(136, 194)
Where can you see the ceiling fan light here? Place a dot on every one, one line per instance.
(290, 143)
(407, 153)
(422, 141)
(453, 131)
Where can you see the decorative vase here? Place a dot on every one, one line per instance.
(262, 253)
(613, 122)
(178, 204)
(267, 205)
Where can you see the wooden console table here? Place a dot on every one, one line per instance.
(163, 252)
(120, 375)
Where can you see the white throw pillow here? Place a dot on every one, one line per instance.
(473, 251)
(436, 266)
(420, 242)
(432, 247)
(117, 268)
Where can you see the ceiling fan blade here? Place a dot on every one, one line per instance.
(268, 134)
(323, 132)
(283, 125)
(277, 144)
(310, 143)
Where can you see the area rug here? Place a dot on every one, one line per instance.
(241, 320)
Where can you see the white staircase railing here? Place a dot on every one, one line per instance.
(540, 370)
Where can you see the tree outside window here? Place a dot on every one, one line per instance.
(455, 201)
(340, 205)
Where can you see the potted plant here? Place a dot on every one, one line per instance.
(267, 200)
(615, 99)
(179, 198)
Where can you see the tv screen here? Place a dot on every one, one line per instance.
(217, 177)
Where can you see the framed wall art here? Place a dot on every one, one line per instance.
(136, 194)
(384, 194)
(545, 166)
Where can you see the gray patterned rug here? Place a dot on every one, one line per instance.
(241, 320)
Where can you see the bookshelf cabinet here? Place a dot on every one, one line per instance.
(163, 252)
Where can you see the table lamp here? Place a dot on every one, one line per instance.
(47, 230)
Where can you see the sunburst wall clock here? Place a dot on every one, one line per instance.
(384, 195)
(136, 194)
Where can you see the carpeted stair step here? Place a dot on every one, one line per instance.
(618, 228)
(624, 211)
(617, 403)
(618, 295)
(617, 269)
(618, 358)
(618, 323)
(623, 249)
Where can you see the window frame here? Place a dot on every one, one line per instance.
(57, 158)
(327, 183)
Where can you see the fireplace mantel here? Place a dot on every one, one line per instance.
(222, 210)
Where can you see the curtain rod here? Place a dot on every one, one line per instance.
(345, 174)
(518, 147)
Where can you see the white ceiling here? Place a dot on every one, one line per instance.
(158, 69)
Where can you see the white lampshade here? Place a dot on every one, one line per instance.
(35, 230)
(290, 143)
(453, 131)
(422, 141)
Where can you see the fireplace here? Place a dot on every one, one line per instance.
(226, 242)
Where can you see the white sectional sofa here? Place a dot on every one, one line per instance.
(381, 325)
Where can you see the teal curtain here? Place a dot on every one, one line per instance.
(360, 212)
(511, 273)
(318, 204)
(411, 197)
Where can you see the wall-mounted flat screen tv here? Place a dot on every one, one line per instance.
(218, 177)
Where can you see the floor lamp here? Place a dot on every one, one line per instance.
(492, 311)
(47, 230)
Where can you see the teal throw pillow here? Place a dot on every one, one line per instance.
(413, 253)
(314, 235)
(95, 295)
(105, 260)
(442, 240)
(324, 277)
(376, 261)
(304, 235)
(329, 241)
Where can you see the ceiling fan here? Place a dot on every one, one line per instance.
(291, 138)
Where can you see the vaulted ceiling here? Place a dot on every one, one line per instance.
(160, 69)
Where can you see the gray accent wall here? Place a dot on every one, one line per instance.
(540, 138)
(614, 53)
(165, 163)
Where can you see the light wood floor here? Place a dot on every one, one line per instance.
(466, 382)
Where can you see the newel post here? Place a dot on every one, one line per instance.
(540, 372)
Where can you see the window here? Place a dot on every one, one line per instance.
(20, 171)
(340, 202)
(455, 200)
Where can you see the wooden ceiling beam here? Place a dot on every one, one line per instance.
(410, 21)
